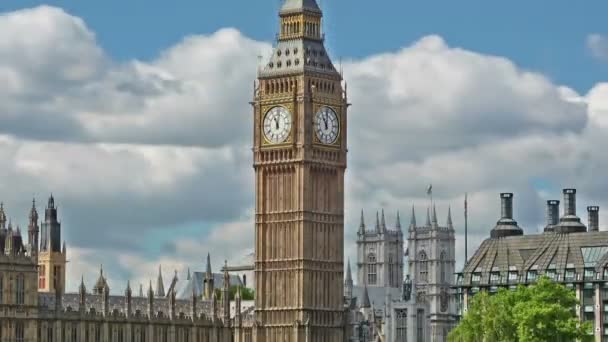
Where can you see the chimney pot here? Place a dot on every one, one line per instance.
(594, 218)
(552, 212)
(569, 202)
(507, 205)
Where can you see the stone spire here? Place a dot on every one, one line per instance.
(33, 230)
(434, 216)
(428, 217)
(366, 303)
(209, 280)
(82, 296)
(128, 299)
(362, 224)
(160, 287)
(141, 290)
(150, 301)
(226, 295)
(378, 228)
(383, 222)
(348, 282)
(398, 223)
(413, 219)
(449, 223)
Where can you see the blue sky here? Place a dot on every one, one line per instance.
(149, 158)
(546, 36)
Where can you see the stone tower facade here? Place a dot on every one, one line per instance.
(380, 253)
(299, 160)
(52, 257)
(431, 251)
(18, 287)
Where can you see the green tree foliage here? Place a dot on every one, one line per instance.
(246, 293)
(542, 312)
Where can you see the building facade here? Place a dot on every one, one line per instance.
(568, 251)
(385, 306)
(31, 312)
(299, 153)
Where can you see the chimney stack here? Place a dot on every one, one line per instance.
(594, 218)
(552, 215)
(569, 202)
(569, 223)
(507, 205)
(506, 226)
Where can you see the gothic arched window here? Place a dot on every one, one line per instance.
(442, 261)
(20, 293)
(424, 266)
(372, 276)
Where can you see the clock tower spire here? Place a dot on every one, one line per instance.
(299, 148)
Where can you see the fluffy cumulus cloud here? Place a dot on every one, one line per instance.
(598, 46)
(150, 159)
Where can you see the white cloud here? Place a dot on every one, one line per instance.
(598, 46)
(133, 150)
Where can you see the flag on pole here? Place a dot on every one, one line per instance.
(429, 190)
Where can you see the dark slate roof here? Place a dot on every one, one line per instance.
(296, 56)
(539, 252)
(294, 6)
(197, 281)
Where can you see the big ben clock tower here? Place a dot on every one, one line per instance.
(299, 160)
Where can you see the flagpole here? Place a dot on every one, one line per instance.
(466, 233)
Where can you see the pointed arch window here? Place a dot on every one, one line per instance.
(20, 293)
(442, 263)
(424, 266)
(372, 275)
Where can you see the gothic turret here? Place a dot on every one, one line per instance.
(51, 229)
(383, 223)
(428, 217)
(450, 224)
(33, 230)
(362, 224)
(398, 223)
(82, 296)
(101, 283)
(226, 295)
(378, 228)
(150, 301)
(413, 219)
(348, 283)
(160, 286)
(128, 300)
(208, 281)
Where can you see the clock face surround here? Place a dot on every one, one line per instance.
(277, 125)
(327, 125)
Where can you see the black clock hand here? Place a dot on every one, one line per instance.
(276, 123)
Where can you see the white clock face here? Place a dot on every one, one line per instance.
(277, 125)
(327, 125)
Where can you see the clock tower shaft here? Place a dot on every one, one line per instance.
(299, 228)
